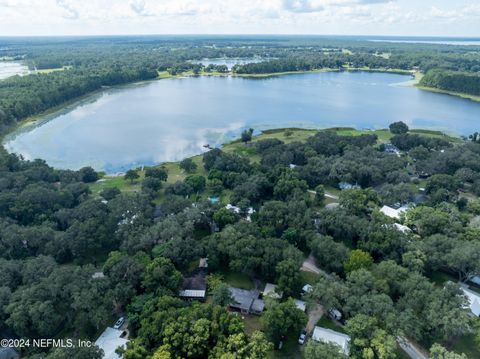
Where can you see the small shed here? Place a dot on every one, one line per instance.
(307, 288)
(300, 304)
(330, 336)
(197, 294)
(203, 263)
(271, 291)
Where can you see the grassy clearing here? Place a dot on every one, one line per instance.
(290, 350)
(252, 323)
(467, 345)
(439, 278)
(56, 69)
(308, 277)
(238, 280)
(325, 322)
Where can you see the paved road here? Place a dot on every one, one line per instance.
(412, 351)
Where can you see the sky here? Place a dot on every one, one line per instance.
(322, 17)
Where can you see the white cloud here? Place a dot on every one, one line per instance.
(401, 17)
(68, 9)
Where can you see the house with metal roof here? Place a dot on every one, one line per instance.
(246, 301)
(330, 336)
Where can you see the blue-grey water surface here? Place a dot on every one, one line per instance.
(171, 119)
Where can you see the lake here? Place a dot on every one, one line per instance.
(11, 68)
(171, 119)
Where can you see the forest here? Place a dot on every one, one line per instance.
(56, 235)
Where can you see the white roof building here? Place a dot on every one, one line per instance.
(192, 293)
(402, 228)
(109, 341)
(392, 212)
(300, 304)
(474, 300)
(307, 288)
(329, 336)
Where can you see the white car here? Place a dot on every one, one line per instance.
(118, 324)
(302, 338)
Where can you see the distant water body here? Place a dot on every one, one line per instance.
(171, 119)
(459, 42)
(11, 68)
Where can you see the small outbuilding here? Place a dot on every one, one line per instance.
(330, 336)
(271, 291)
(300, 304)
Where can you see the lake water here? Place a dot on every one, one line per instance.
(11, 68)
(171, 119)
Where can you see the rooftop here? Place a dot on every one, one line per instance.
(109, 341)
(473, 299)
(271, 291)
(329, 336)
(300, 304)
(244, 299)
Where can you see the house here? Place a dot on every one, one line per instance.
(195, 286)
(110, 340)
(473, 300)
(394, 213)
(402, 228)
(8, 353)
(271, 291)
(237, 210)
(98, 275)
(329, 336)
(300, 304)
(346, 185)
(246, 301)
(233, 208)
(390, 148)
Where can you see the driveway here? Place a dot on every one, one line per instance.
(309, 265)
(408, 347)
(314, 315)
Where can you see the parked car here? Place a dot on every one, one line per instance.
(303, 337)
(335, 314)
(118, 324)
